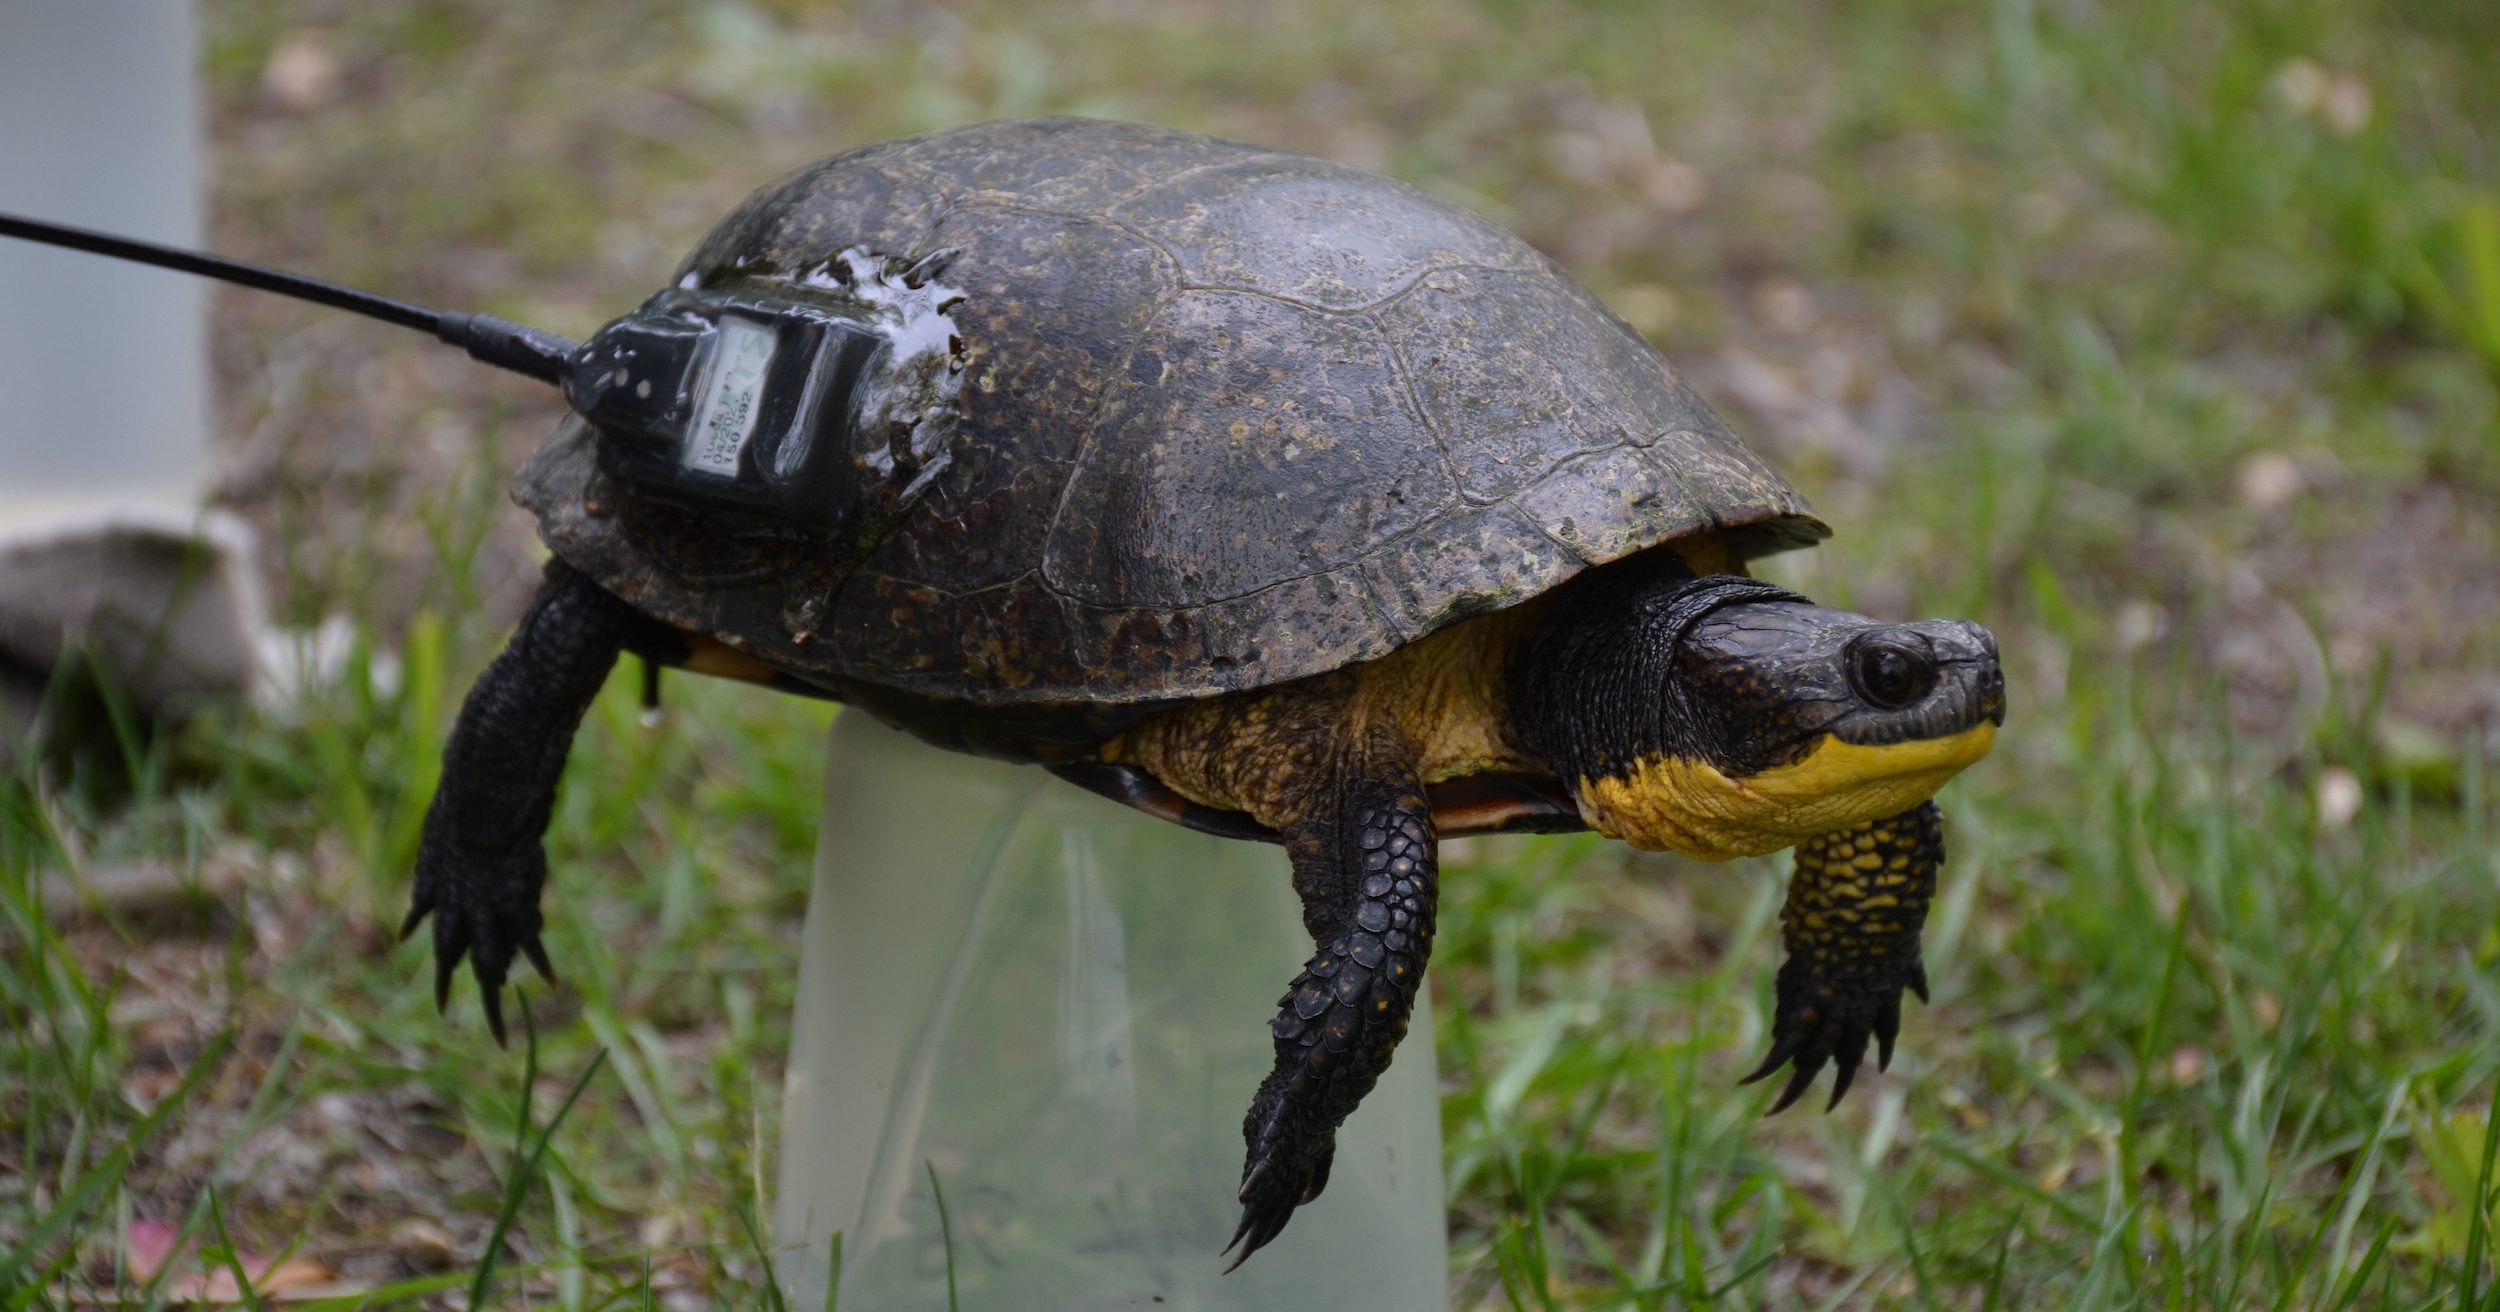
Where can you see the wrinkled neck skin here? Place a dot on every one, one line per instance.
(1721, 716)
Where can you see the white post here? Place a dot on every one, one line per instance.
(103, 365)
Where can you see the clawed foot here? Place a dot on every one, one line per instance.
(1366, 870)
(1283, 1174)
(485, 909)
(1824, 1018)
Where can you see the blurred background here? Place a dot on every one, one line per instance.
(2164, 340)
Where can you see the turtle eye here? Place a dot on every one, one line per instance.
(1889, 673)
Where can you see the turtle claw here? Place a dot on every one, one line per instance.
(1253, 1184)
(1782, 1048)
(1828, 1022)
(536, 951)
(492, 998)
(486, 912)
(444, 964)
(1887, 1029)
(1845, 1064)
(1256, 1229)
(1798, 1079)
(1277, 1181)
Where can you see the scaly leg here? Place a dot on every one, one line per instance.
(1851, 924)
(480, 863)
(1365, 867)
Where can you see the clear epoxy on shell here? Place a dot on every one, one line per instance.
(909, 395)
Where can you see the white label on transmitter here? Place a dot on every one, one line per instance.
(726, 417)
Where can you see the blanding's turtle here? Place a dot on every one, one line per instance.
(1270, 496)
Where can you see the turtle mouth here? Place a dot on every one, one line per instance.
(1837, 764)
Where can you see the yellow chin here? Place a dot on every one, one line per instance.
(1674, 805)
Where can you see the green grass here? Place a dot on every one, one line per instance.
(2115, 327)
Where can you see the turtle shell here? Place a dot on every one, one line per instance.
(1227, 417)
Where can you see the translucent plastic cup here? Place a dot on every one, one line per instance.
(1047, 1013)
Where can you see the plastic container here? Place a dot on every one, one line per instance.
(1058, 1007)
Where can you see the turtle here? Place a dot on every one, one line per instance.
(1268, 495)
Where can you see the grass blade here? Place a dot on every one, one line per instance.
(526, 1156)
(946, 1234)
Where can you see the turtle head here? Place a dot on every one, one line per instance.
(1721, 716)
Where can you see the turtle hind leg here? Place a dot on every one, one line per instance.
(480, 860)
(1851, 923)
(1366, 869)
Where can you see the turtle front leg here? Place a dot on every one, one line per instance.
(480, 862)
(1365, 866)
(1851, 924)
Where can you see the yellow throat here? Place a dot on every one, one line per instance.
(1672, 804)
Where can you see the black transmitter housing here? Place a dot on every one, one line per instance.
(728, 399)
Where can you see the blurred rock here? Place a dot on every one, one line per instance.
(301, 73)
(2339, 101)
(2269, 480)
(421, 1245)
(157, 611)
(2138, 623)
(164, 611)
(1784, 304)
(2339, 797)
(1674, 187)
